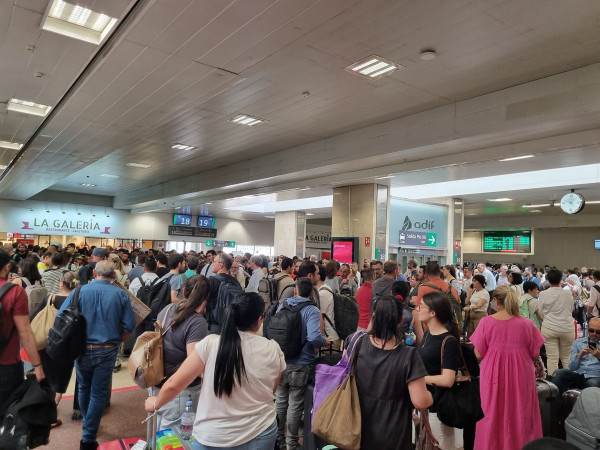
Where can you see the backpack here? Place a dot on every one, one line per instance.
(3, 339)
(86, 274)
(229, 289)
(454, 303)
(157, 298)
(267, 289)
(143, 292)
(524, 308)
(36, 293)
(146, 362)
(285, 327)
(582, 426)
(66, 338)
(29, 412)
(345, 314)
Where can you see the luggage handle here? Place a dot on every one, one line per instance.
(151, 424)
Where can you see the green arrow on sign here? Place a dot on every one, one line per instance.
(431, 239)
(209, 243)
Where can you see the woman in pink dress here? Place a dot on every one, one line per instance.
(507, 344)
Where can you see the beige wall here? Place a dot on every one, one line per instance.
(560, 247)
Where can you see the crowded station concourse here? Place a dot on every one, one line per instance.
(401, 154)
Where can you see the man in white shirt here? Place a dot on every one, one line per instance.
(257, 273)
(207, 268)
(467, 279)
(594, 301)
(148, 277)
(326, 307)
(490, 280)
(502, 279)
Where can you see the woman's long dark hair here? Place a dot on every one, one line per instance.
(195, 291)
(439, 303)
(384, 323)
(241, 315)
(30, 270)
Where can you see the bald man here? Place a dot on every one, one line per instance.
(584, 365)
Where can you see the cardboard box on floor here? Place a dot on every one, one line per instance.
(139, 308)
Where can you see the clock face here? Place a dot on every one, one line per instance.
(572, 203)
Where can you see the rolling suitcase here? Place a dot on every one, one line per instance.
(582, 426)
(549, 405)
(310, 440)
(567, 403)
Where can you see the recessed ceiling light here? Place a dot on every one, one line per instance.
(23, 106)
(384, 178)
(504, 199)
(428, 55)
(209, 203)
(182, 147)
(78, 22)
(309, 214)
(88, 184)
(10, 145)
(373, 67)
(108, 175)
(143, 166)
(541, 205)
(244, 119)
(514, 158)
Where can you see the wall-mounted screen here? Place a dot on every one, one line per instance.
(597, 244)
(206, 221)
(344, 249)
(500, 241)
(182, 219)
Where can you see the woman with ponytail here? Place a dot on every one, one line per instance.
(241, 372)
(507, 345)
(409, 317)
(435, 311)
(186, 326)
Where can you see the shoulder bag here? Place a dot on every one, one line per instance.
(460, 404)
(42, 323)
(342, 430)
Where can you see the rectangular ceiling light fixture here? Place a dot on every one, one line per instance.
(10, 145)
(182, 147)
(88, 184)
(108, 175)
(22, 106)
(503, 199)
(373, 67)
(244, 119)
(78, 22)
(142, 166)
(514, 158)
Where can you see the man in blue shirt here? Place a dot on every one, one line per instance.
(584, 365)
(289, 398)
(109, 320)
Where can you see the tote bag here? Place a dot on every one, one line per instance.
(42, 323)
(338, 420)
(328, 378)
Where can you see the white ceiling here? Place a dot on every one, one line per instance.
(176, 71)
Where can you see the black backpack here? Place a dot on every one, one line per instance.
(144, 291)
(66, 338)
(27, 415)
(3, 339)
(229, 289)
(285, 327)
(345, 314)
(157, 298)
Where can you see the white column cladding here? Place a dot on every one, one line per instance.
(290, 233)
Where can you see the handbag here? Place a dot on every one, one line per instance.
(459, 405)
(338, 419)
(425, 440)
(328, 378)
(42, 323)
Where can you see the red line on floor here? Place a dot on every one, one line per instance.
(128, 388)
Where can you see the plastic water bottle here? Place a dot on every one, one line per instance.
(410, 337)
(187, 421)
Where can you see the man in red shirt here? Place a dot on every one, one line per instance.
(15, 328)
(433, 276)
(363, 297)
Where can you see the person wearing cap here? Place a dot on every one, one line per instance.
(86, 273)
(80, 261)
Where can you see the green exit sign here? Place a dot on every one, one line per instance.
(209, 243)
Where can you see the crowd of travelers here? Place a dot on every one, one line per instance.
(420, 330)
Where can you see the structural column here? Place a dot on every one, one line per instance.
(290, 233)
(362, 211)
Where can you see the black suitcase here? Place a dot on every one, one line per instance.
(567, 402)
(310, 440)
(549, 399)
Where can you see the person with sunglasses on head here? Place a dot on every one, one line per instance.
(584, 364)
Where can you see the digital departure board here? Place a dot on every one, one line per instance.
(518, 241)
(206, 221)
(182, 219)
